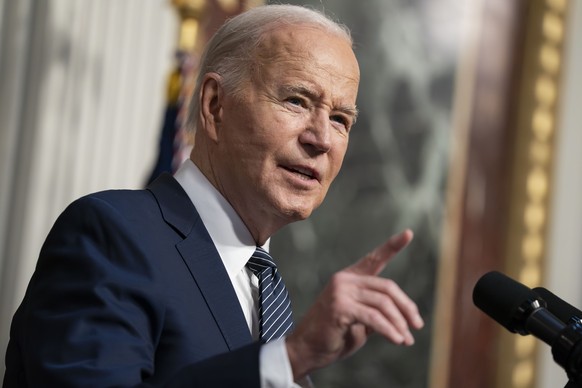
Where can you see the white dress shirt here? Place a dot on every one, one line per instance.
(235, 246)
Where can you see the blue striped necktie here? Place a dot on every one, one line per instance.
(275, 318)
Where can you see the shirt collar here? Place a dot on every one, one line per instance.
(232, 239)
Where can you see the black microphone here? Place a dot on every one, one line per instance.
(563, 310)
(521, 310)
(516, 307)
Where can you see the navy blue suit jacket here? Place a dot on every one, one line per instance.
(129, 290)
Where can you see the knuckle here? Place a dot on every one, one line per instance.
(391, 286)
(376, 317)
(373, 257)
(338, 280)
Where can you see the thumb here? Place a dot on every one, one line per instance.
(374, 262)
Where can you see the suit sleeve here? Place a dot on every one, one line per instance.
(92, 315)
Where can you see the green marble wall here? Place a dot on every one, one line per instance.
(394, 176)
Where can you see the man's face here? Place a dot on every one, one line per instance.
(281, 142)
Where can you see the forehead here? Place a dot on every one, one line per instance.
(307, 54)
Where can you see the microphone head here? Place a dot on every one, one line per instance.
(563, 310)
(505, 300)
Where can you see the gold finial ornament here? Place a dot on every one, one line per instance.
(190, 11)
(190, 8)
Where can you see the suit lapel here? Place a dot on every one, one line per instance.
(216, 287)
(201, 257)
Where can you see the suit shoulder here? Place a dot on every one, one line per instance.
(120, 201)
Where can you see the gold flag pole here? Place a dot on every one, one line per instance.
(198, 20)
(182, 78)
(190, 12)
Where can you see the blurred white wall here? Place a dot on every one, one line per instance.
(564, 266)
(82, 92)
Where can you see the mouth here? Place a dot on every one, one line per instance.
(303, 172)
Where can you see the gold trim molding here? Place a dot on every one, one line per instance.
(532, 175)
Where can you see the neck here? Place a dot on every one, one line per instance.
(261, 227)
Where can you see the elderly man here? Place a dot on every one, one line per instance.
(174, 285)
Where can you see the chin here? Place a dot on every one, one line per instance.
(292, 206)
(297, 212)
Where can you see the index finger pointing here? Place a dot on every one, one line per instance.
(374, 262)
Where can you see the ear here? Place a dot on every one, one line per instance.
(211, 99)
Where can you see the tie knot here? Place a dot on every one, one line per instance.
(261, 261)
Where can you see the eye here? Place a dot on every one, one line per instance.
(341, 120)
(296, 101)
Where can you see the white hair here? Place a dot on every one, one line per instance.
(231, 52)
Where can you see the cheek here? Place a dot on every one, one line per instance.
(338, 154)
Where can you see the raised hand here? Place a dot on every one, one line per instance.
(354, 304)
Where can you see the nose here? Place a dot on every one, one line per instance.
(317, 133)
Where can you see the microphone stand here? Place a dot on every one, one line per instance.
(567, 352)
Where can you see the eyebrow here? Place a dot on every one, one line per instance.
(351, 111)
